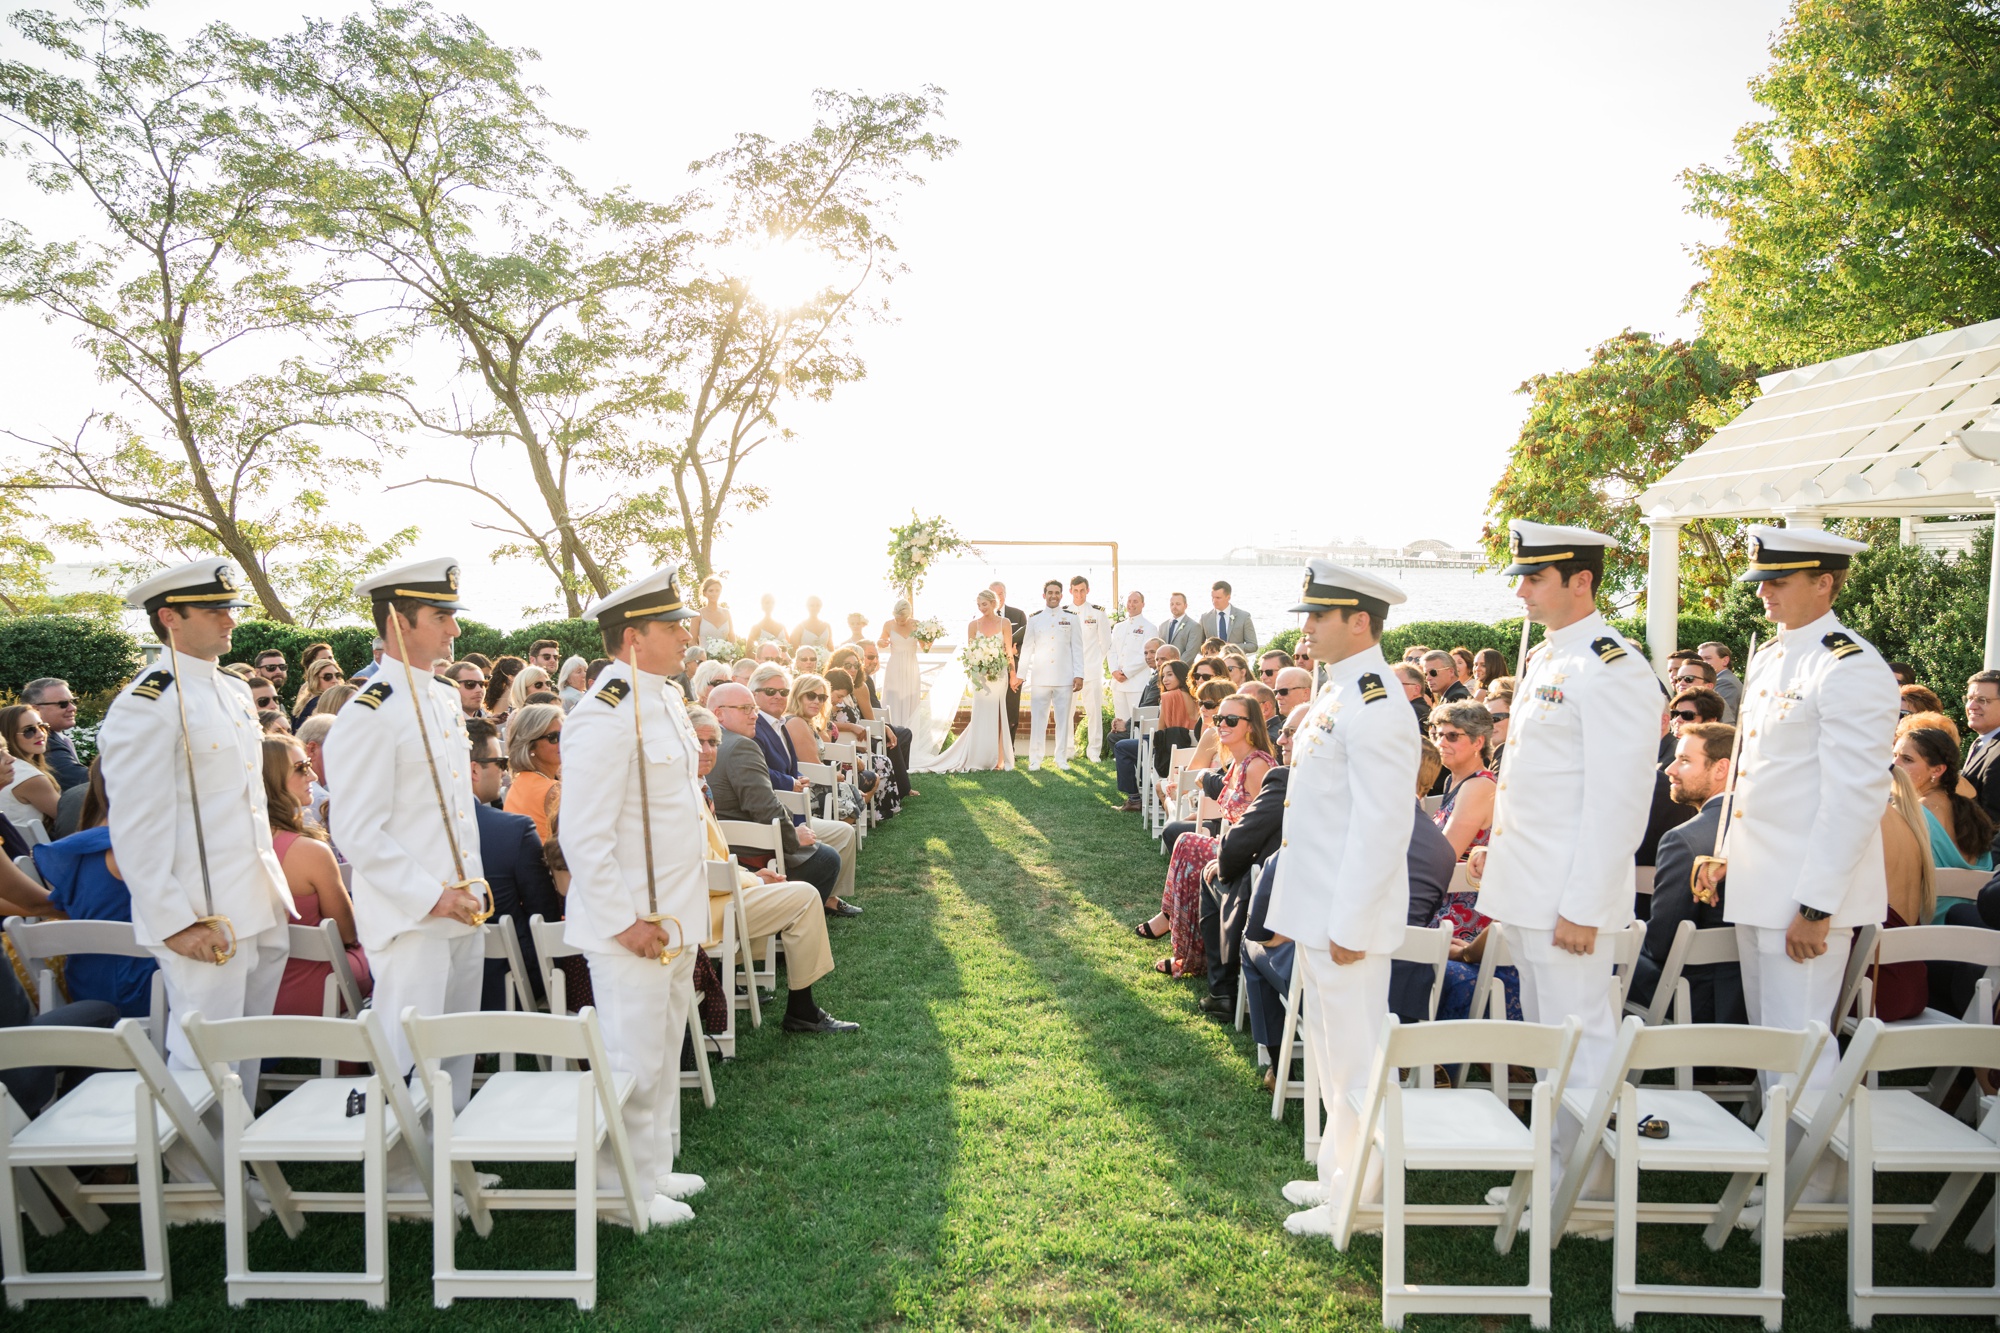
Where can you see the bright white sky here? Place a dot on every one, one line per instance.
(1198, 276)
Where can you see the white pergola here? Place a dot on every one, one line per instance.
(1908, 431)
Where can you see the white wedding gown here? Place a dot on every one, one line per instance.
(983, 745)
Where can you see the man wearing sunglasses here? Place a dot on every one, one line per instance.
(1581, 767)
(771, 687)
(1343, 887)
(51, 697)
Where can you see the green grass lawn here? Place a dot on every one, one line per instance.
(1032, 1130)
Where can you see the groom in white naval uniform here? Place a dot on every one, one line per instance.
(1051, 670)
(1556, 873)
(1093, 634)
(1343, 885)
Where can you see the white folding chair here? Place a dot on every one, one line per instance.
(127, 1116)
(770, 840)
(533, 1115)
(37, 942)
(1673, 997)
(1489, 991)
(722, 884)
(1642, 880)
(1931, 944)
(26, 865)
(845, 754)
(1860, 957)
(1426, 1128)
(1432, 804)
(1176, 761)
(550, 945)
(1897, 1130)
(794, 802)
(314, 1123)
(1701, 1137)
(827, 776)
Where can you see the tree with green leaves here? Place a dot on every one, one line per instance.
(1595, 438)
(1865, 209)
(794, 265)
(234, 371)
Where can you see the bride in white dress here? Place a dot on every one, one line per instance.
(984, 744)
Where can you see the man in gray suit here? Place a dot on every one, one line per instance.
(1181, 630)
(740, 784)
(1227, 623)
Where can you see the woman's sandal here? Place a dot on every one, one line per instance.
(1145, 932)
(1165, 967)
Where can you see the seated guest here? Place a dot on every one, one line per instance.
(1177, 711)
(1691, 673)
(1462, 732)
(534, 754)
(312, 875)
(511, 849)
(312, 737)
(775, 905)
(51, 697)
(499, 680)
(31, 797)
(1698, 779)
(571, 677)
(1245, 749)
(1270, 664)
(1238, 667)
(706, 677)
(1917, 699)
(1487, 666)
(1413, 690)
(1961, 832)
(595, 669)
(861, 662)
(1441, 674)
(843, 713)
(470, 678)
(742, 669)
(84, 884)
(1199, 765)
(329, 701)
(1903, 990)
(1225, 881)
(1697, 703)
(1499, 703)
(1207, 668)
(805, 661)
(1904, 673)
(740, 785)
(1293, 686)
(528, 680)
(1462, 658)
(770, 687)
(320, 676)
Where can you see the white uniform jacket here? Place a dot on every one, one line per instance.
(1819, 722)
(603, 836)
(1127, 651)
(1578, 786)
(152, 819)
(384, 810)
(1345, 875)
(1093, 636)
(1052, 651)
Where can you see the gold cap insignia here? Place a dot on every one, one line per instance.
(451, 577)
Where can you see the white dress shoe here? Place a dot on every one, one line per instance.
(679, 1185)
(665, 1212)
(1305, 1193)
(1316, 1221)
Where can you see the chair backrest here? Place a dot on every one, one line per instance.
(760, 837)
(560, 1039)
(549, 946)
(1927, 1046)
(793, 802)
(1433, 804)
(1642, 880)
(493, 937)
(26, 865)
(1149, 715)
(347, 876)
(823, 774)
(124, 1047)
(322, 944)
(1692, 947)
(1471, 1041)
(839, 752)
(1429, 947)
(1960, 883)
(35, 941)
(1934, 944)
(1726, 1045)
(1461, 878)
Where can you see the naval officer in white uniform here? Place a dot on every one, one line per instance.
(1343, 887)
(180, 871)
(1093, 636)
(633, 836)
(1572, 804)
(1804, 846)
(1051, 670)
(1130, 675)
(399, 765)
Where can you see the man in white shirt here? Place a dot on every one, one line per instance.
(1093, 633)
(401, 763)
(1131, 672)
(1051, 672)
(183, 765)
(1342, 886)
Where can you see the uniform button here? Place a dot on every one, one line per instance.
(1285, 842)
(1753, 731)
(1503, 786)
(1739, 814)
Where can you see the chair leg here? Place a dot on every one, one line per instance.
(1950, 1200)
(375, 1199)
(152, 1194)
(1860, 1211)
(1394, 1219)
(1539, 1222)
(1625, 1212)
(1772, 1279)
(1291, 1031)
(700, 1055)
(743, 943)
(586, 1192)
(235, 1219)
(444, 1218)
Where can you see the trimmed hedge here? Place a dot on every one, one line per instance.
(352, 644)
(1505, 636)
(92, 654)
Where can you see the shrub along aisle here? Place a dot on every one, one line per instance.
(1032, 1129)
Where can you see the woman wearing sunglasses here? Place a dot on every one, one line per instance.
(321, 675)
(1244, 748)
(30, 798)
(312, 873)
(534, 754)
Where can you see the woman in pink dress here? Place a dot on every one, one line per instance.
(312, 874)
(1246, 755)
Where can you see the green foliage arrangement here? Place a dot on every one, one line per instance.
(915, 546)
(1924, 608)
(91, 654)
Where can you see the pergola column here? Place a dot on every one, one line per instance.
(1992, 655)
(1663, 588)
(1805, 518)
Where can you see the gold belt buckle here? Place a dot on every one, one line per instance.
(228, 929)
(669, 952)
(484, 892)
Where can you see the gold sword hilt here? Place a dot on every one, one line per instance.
(484, 893)
(669, 951)
(228, 929)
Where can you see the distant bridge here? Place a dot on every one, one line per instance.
(1433, 555)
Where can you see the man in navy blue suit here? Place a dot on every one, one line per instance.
(770, 687)
(511, 850)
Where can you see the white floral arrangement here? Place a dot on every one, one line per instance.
(928, 631)
(724, 651)
(985, 659)
(914, 546)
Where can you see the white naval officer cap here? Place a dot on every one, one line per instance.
(1776, 552)
(1330, 586)
(1536, 546)
(212, 583)
(654, 596)
(433, 581)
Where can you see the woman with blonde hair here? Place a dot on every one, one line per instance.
(333, 698)
(320, 676)
(311, 873)
(534, 756)
(715, 621)
(1902, 990)
(530, 680)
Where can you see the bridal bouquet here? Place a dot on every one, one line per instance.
(914, 546)
(928, 632)
(724, 651)
(985, 659)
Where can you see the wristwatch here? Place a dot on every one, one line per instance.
(1812, 913)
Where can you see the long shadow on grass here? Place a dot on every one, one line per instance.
(825, 1158)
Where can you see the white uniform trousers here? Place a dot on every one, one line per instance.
(434, 969)
(839, 835)
(1556, 984)
(1125, 700)
(792, 912)
(642, 1008)
(1345, 1007)
(244, 987)
(1062, 702)
(1092, 699)
(1780, 993)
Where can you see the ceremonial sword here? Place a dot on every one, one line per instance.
(214, 919)
(485, 891)
(1708, 897)
(669, 951)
